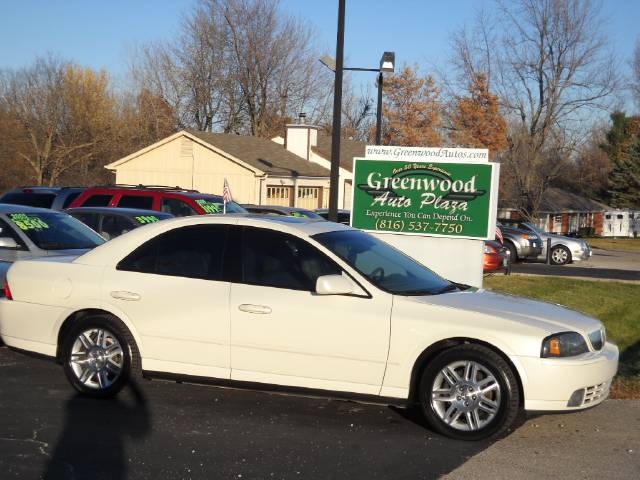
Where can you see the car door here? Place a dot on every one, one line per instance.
(282, 332)
(173, 291)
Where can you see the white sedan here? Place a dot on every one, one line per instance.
(315, 306)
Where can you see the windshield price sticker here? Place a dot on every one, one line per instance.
(299, 214)
(210, 207)
(25, 221)
(143, 219)
(425, 198)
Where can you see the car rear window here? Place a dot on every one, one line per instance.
(70, 198)
(97, 201)
(42, 200)
(55, 231)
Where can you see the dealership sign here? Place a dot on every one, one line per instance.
(432, 198)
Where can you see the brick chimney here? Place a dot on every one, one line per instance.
(300, 137)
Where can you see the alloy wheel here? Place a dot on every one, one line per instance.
(465, 395)
(97, 358)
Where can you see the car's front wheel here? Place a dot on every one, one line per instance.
(469, 392)
(560, 255)
(98, 356)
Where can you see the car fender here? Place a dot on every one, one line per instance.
(108, 308)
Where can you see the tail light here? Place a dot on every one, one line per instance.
(7, 291)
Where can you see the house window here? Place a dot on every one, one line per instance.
(279, 195)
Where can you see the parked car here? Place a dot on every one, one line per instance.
(55, 198)
(280, 210)
(563, 249)
(344, 216)
(522, 244)
(291, 302)
(496, 256)
(27, 232)
(176, 201)
(113, 222)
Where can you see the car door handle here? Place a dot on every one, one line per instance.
(128, 296)
(260, 309)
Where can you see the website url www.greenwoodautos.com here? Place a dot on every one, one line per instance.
(422, 153)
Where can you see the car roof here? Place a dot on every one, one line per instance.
(121, 246)
(122, 211)
(11, 208)
(280, 208)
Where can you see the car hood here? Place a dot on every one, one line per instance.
(546, 316)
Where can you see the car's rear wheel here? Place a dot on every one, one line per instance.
(560, 255)
(513, 253)
(469, 392)
(98, 356)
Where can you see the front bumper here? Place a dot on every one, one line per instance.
(550, 383)
(581, 254)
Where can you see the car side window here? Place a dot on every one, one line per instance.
(7, 231)
(114, 226)
(194, 252)
(90, 219)
(276, 259)
(97, 201)
(144, 202)
(177, 207)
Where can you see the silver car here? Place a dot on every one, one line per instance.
(27, 232)
(563, 249)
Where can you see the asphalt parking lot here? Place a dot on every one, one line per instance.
(604, 264)
(168, 430)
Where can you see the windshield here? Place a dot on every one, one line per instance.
(386, 267)
(55, 231)
(215, 204)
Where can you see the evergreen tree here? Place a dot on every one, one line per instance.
(623, 148)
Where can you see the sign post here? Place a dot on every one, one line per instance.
(437, 205)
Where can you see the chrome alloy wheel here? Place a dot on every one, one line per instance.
(465, 395)
(559, 256)
(96, 358)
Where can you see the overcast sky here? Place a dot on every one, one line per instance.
(101, 33)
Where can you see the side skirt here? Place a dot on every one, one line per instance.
(278, 389)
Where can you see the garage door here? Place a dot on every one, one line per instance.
(309, 197)
(279, 195)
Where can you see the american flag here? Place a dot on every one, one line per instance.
(226, 192)
(499, 235)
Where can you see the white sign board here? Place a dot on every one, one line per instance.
(426, 154)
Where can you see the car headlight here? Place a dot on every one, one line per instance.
(487, 249)
(565, 344)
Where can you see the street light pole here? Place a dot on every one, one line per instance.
(334, 181)
(379, 111)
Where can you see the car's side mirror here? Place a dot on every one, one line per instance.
(8, 242)
(333, 285)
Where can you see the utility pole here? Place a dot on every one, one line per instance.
(334, 182)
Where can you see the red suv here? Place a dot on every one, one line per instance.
(176, 201)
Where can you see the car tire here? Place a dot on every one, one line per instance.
(99, 356)
(513, 253)
(469, 392)
(560, 255)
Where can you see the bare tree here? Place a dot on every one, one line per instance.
(238, 66)
(635, 72)
(550, 68)
(62, 114)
